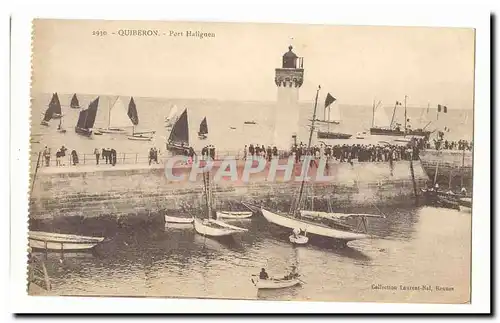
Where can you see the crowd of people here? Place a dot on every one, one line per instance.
(341, 153)
(452, 145)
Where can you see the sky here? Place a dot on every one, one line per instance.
(356, 64)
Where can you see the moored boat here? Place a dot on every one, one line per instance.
(312, 228)
(61, 242)
(233, 215)
(203, 132)
(75, 104)
(139, 137)
(333, 135)
(176, 219)
(215, 229)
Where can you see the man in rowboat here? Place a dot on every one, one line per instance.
(263, 274)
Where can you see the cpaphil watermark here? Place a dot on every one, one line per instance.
(183, 168)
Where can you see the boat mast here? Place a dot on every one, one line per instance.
(306, 169)
(393, 114)
(405, 112)
(373, 114)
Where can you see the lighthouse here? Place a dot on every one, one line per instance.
(288, 79)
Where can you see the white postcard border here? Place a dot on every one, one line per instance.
(352, 14)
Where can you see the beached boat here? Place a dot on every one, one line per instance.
(86, 119)
(75, 104)
(203, 132)
(61, 242)
(233, 215)
(175, 219)
(139, 137)
(275, 283)
(433, 198)
(178, 140)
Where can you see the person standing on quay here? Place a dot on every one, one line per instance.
(97, 155)
(46, 156)
(113, 157)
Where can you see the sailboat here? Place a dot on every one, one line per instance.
(134, 118)
(47, 116)
(209, 226)
(202, 134)
(74, 102)
(296, 219)
(178, 140)
(172, 117)
(86, 119)
(56, 106)
(381, 125)
(53, 111)
(117, 118)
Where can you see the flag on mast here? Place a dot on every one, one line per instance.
(329, 100)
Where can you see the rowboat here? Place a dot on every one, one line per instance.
(298, 239)
(214, 228)
(58, 241)
(233, 215)
(175, 219)
(140, 138)
(275, 283)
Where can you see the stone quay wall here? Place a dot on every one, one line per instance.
(121, 190)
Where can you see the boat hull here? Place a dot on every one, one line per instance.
(56, 241)
(233, 215)
(83, 131)
(176, 148)
(312, 228)
(275, 283)
(112, 131)
(333, 135)
(174, 219)
(207, 230)
(386, 132)
(300, 240)
(140, 138)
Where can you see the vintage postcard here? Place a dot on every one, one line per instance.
(251, 161)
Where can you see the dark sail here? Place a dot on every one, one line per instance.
(203, 127)
(48, 114)
(54, 104)
(180, 131)
(74, 102)
(81, 119)
(132, 112)
(91, 114)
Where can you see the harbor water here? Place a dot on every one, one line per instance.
(412, 247)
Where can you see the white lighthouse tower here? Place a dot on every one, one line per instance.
(288, 79)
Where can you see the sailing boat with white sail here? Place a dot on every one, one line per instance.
(118, 121)
(172, 117)
(86, 119)
(295, 219)
(202, 134)
(209, 226)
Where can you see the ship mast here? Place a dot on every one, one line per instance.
(306, 168)
(406, 96)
